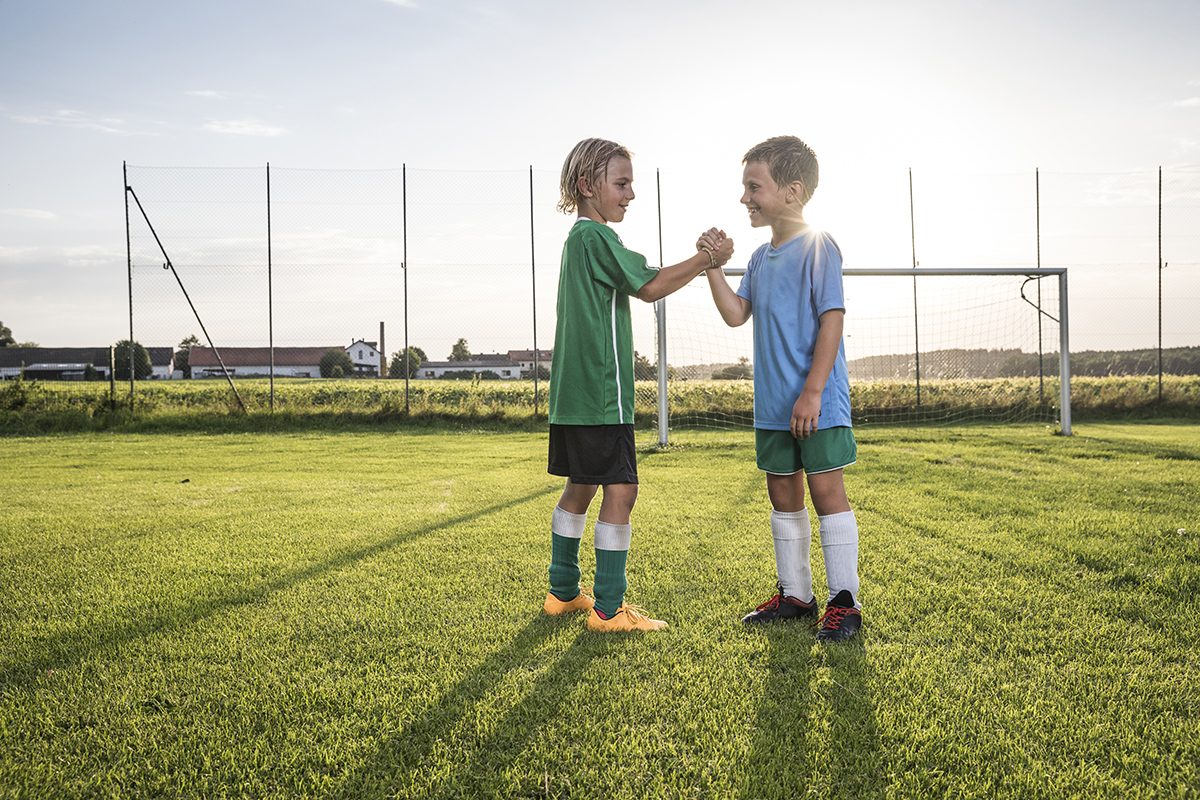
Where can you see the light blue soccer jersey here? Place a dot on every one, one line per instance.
(789, 288)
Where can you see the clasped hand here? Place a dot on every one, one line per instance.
(716, 242)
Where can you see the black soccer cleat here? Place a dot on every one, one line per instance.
(781, 608)
(841, 620)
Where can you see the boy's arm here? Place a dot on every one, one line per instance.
(676, 276)
(808, 405)
(734, 310)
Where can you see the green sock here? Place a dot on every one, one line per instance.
(564, 567)
(612, 551)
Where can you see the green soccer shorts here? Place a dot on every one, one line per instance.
(780, 453)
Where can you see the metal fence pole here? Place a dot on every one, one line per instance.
(1160, 272)
(912, 222)
(1037, 202)
(270, 292)
(660, 314)
(129, 262)
(533, 294)
(1064, 356)
(404, 270)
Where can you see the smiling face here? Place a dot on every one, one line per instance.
(606, 201)
(766, 200)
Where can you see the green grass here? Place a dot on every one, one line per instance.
(357, 615)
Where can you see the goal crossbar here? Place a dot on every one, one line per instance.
(1064, 350)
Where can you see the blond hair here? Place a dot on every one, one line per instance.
(788, 159)
(588, 159)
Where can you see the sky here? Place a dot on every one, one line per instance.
(970, 97)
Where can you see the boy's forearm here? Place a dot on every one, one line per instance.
(829, 339)
(733, 309)
(672, 278)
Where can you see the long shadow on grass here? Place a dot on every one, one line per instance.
(853, 752)
(779, 764)
(70, 648)
(399, 765)
(785, 760)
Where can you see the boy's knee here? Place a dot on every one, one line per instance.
(829, 493)
(786, 492)
(621, 496)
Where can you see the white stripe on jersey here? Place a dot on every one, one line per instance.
(617, 359)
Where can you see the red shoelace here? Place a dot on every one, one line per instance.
(834, 616)
(772, 604)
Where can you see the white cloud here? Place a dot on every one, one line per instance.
(28, 213)
(243, 127)
(70, 118)
(18, 255)
(1191, 102)
(88, 255)
(403, 3)
(211, 93)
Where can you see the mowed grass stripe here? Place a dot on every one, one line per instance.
(356, 615)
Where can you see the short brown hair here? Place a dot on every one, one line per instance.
(788, 159)
(588, 159)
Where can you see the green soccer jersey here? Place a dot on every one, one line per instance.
(591, 378)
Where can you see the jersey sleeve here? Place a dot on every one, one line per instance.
(616, 266)
(744, 289)
(827, 276)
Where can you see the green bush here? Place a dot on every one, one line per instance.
(61, 405)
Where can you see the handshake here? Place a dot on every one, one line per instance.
(717, 245)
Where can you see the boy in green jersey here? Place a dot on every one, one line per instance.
(591, 380)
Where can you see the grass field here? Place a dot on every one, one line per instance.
(356, 615)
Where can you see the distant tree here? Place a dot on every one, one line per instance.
(142, 367)
(6, 337)
(461, 351)
(336, 364)
(543, 373)
(401, 366)
(643, 370)
(26, 344)
(183, 357)
(735, 372)
(458, 375)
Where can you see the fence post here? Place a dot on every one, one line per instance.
(533, 295)
(270, 292)
(912, 222)
(1160, 272)
(1037, 203)
(404, 271)
(1064, 356)
(129, 265)
(660, 315)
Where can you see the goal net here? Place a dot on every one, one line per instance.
(922, 346)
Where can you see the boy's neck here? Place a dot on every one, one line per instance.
(586, 211)
(784, 230)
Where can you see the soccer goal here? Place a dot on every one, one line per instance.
(923, 346)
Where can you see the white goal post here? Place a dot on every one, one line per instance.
(1064, 353)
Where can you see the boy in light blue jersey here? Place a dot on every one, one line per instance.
(793, 289)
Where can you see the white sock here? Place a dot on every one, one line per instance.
(792, 536)
(566, 524)
(839, 543)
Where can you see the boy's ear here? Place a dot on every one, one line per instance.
(585, 186)
(795, 191)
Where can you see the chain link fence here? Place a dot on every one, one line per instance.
(273, 268)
